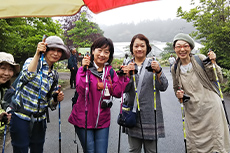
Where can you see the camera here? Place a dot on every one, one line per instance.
(106, 104)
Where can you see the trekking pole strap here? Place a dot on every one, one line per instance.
(139, 84)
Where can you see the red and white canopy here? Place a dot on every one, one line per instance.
(51, 8)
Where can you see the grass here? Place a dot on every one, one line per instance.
(63, 83)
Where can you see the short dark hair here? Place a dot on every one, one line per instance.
(102, 42)
(141, 37)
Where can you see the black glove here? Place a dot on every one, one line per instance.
(4, 120)
(186, 98)
(120, 72)
(55, 97)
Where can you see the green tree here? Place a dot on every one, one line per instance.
(168, 50)
(212, 22)
(20, 36)
(84, 32)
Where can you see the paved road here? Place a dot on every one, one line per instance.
(172, 143)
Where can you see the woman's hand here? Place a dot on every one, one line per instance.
(60, 96)
(212, 55)
(41, 48)
(125, 70)
(131, 66)
(86, 61)
(180, 94)
(155, 66)
(5, 113)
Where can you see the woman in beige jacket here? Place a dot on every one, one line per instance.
(205, 121)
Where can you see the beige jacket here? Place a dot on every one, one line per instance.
(205, 122)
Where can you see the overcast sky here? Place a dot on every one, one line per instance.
(162, 9)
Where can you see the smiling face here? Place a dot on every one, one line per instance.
(101, 55)
(6, 72)
(182, 49)
(53, 55)
(139, 48)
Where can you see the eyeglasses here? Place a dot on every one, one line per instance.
(180, 47)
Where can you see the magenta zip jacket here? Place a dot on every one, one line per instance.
(97, 117)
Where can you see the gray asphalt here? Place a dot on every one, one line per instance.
(172, 143)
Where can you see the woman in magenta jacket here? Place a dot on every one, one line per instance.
(98, 99)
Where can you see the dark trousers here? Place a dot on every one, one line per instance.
(73, 78)
(22, 138)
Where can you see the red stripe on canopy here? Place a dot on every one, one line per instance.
(97, 6)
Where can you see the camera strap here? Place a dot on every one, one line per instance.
(140, 83)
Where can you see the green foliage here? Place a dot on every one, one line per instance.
(168, 50)
(226, 84)
(61, 64)
(20, 36)
(83, 34)
(163, 62)
(211, 19)
(116, 64)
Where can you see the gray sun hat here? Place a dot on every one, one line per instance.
(57, 42)
(185, 37)
(8, 58)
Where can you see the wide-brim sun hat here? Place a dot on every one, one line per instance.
(57, 42)
(184, 37)
(8, 58)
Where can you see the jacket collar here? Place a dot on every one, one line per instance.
(94, 68)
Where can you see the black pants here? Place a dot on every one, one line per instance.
(22, 138)
(73, 78)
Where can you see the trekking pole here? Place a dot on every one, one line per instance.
(149, 68)
(138, 108)
(120, 73)
(86, 102)
(155, 106)
(218, 84)
(75, 141)
(42, 59)
(182, 100)
(59, 117)
(4, 122)
(119, 139)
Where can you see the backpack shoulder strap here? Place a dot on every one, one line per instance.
(55, 82)
(111, 72)
(198, 60)
(175, 67)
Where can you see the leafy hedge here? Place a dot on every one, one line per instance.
(226, 84)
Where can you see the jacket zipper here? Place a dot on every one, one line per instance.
(102, 93)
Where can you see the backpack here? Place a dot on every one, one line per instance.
(10, 94)
(74, 99)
